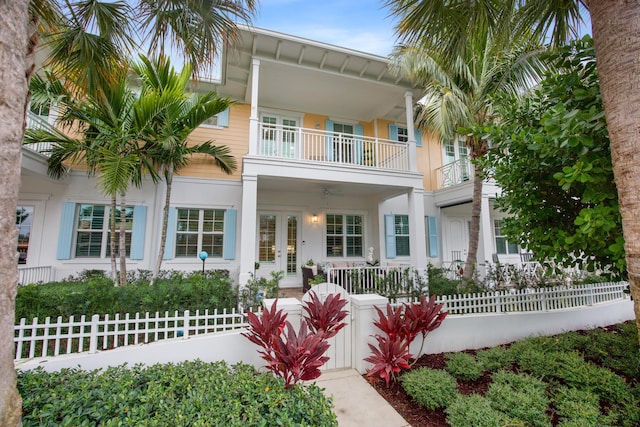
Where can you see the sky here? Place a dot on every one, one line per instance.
(362, 25)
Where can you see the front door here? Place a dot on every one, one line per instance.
(278, 243)
(457, 239)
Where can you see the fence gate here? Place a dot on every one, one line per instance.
(340, 346)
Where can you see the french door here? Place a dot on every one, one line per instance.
(278, 137)
(278, 243)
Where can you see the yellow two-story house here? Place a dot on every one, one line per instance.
(332, 170)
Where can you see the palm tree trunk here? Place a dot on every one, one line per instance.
(165, 222)
(112, 240)
(616, 35)
(16, 69)
(474, 233)
(123, 239)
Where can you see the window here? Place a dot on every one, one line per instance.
(402, 235)
(24, 221)
(344, 235)
(219, 120)
(199, 230)
(92, 231)
(403, 134)
(503, 246)
(343, 143)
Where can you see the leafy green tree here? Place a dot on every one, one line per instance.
(550, 156)
(176, 114)
(458, 91)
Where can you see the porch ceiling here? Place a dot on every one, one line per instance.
(304, 75)
(329, 188)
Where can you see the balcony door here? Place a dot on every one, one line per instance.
(457, 151)
(278, 243)
(278, 138)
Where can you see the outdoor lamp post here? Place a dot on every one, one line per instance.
(203, 256)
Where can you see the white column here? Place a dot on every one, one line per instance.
(408, 102)
(254, 119)
(486, 233)
(248, 228)
(363, 315)
(417, 230)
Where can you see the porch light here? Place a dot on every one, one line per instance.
(314, 219)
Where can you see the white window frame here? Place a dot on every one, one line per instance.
(200, 233)
(104, 231)
(497, 224)
(344, 235)
(406, 236)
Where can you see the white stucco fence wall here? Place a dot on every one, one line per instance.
(457, 332)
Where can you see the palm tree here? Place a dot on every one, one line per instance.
(616, 34)
(109, 143)
(177, 115)
(196, 27)
(458, 91)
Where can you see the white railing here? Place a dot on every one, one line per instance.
(532, 300)
(455, 173)
(28, 275)
(60, 336)
(38, 122)
(331, 147)
(384, 280)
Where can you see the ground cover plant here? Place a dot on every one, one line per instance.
(192, 393)
(584, 378)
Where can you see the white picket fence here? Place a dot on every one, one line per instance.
(29, 275)
(56, 337)
(53, 338)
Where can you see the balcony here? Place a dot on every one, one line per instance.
(455, 173)
(314, 145)
(35, 121)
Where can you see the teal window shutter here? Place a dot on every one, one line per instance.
(418, 135)
(390, 236)
(432, 229)
(328, 141)
(357, 146)
(138, 231)
(223, 118)
(393, 132)
(65, 233)
(229, 245)
(169, 247)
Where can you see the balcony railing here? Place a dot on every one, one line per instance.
(287, 142)
(38, 122)
(455, 173)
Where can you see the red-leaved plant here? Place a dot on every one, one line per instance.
(400, 327)
(325, 319)
(297, 357)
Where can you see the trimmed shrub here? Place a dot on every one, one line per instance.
(98, 295)
(475, 411)
(186, 394)
(519, 396)
(577, 408)
(431, 388)
(463, 366)
(494, 359)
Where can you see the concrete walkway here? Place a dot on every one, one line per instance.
(356, 403)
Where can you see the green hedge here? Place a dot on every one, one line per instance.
(98, 295)
(191, 393)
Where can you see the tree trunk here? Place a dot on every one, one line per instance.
(616, 35)
(16, 59)
(123, 240)
(112, 241)
(474, 233)
(165, 222)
